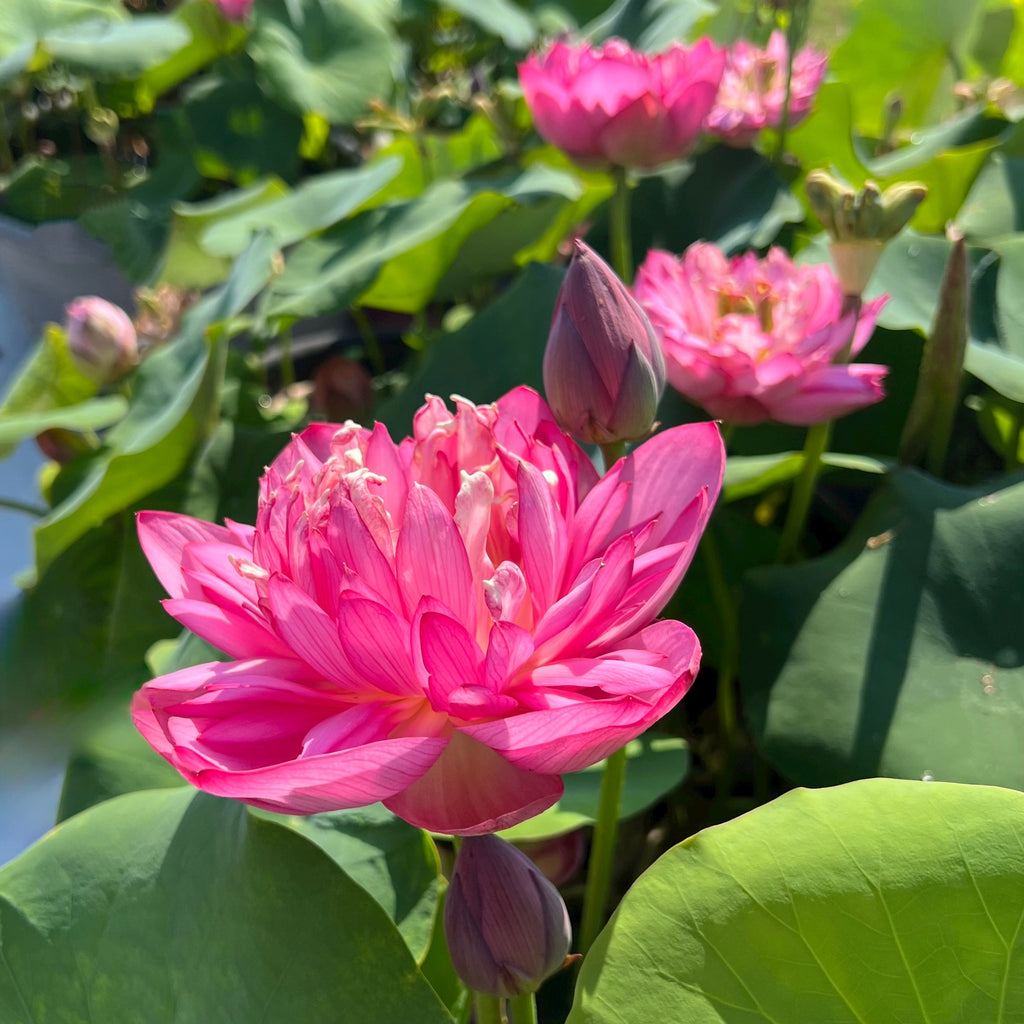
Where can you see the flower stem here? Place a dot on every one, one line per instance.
(612, 452)
(1011, 462)
(371, 344)
(722, 597)
(619, 238)
(522, 1009)
(815, 446)
(488, 1009)
(23, 506)
(602, 852)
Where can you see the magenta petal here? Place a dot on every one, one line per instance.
(570, 736)
(378, 645)
(307, 629)
(164, 536)
(175, 712)
(431, 557)
(542, 536)
(233, 631)
(449, 655)
(471, 790)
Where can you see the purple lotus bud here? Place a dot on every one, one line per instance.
(101, 338)
(506, 924)
(604, 370)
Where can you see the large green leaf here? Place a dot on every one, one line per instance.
(901, 652)
(732, 197)
(876, 902)
(394, 862)
(655, 766)
(324, 57)
(905, 47)
(185, 907)
(94, 414)
(393, 256)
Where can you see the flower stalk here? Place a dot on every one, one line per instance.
(620, 239)
(818, 437)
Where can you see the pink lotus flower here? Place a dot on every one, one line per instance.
(610, 104)
(445, 624)
(753, 90)
(752, 340)
(234, 10)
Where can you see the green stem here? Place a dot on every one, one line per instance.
(488, 1009)
(815, 446)
(287, 363)
(1011, 461)
(22, 506)
(612, 452)
(522, 1009)
(721, 595)
(370, 342)
(619, 238)
(602, 852)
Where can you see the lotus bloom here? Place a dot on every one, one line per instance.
(603, 368)
(753, 90)
(101, 338)
(446, 624)
(234, 10)
(752, 340)
(506, 926)
(610, 104)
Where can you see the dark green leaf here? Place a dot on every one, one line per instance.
(900, 653)
(191, 908)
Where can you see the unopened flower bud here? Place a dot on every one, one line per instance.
(859, 223)
(604, 370)
(101, 339)
(506, 925)
(101, 126)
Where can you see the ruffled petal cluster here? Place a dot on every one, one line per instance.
(758, 339)
(752, 93)
(446, 624)
(613, 105)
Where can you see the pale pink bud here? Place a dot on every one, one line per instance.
(234, 10)
(604, 371)
(506, 925)
(101, 338)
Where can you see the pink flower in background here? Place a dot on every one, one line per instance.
(752, 340)
(446, 624)
(234, 10)
(610, 104)
(753, 89)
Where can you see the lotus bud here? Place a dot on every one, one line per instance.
(604, 370)
(101, 339)
(506, 925)
(859, 223)
(929, 424)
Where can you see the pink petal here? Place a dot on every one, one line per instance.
(164, 536)
(542, 537)
(378, 646)
(307, 629)
(350, 777)
(571, 736)
(449, 655)
(471, 790)
(431, 557)
(236, 632)
(833, 392)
